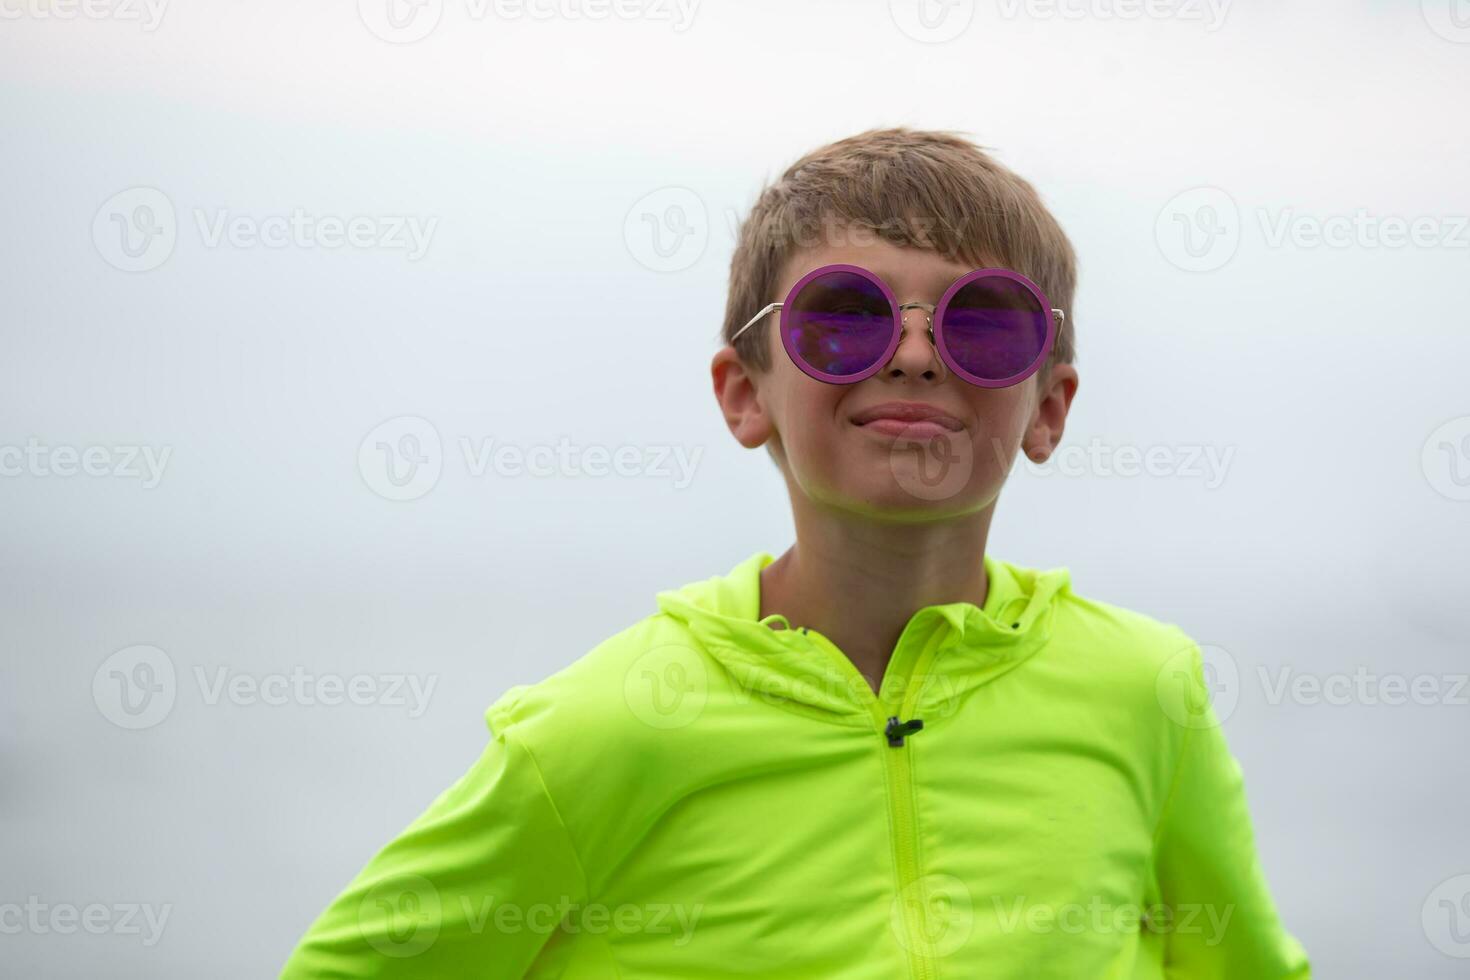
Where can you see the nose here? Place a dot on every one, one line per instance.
(916, 356)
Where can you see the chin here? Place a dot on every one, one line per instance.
(905, 498)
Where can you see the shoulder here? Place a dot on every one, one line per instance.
(1143, 678)
(595, 732)
(1141, 660)
(598, 726)
(599, 693)
(1118, 636)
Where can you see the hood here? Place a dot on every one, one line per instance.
(946, 650)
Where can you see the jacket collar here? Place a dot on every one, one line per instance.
(944, 652)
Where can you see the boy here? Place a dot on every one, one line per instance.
(886, 753)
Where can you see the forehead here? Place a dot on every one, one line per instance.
(912, 273)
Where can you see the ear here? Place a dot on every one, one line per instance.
(736, 391)
(1053, 401)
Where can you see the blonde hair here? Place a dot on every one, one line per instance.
(927, 189)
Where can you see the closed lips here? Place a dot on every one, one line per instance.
(908, 412)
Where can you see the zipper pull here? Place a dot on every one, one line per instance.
(896, 729)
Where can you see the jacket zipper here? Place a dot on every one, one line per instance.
(901, 806)
(899, 773)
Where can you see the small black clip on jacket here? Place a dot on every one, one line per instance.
(896, 729)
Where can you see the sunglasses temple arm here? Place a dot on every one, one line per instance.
(754, 320)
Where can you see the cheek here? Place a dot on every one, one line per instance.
(1001, 419)
(1003, 414)
(806, 417)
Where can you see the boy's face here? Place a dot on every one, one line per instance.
(843, 446)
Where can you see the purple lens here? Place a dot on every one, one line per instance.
(995, 328)
(840, 324)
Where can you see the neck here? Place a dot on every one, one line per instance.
(858, 582)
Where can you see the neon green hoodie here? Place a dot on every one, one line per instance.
(707, 794)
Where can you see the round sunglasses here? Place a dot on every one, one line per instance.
(841, 324)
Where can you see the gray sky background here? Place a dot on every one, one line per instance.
(1269, 202)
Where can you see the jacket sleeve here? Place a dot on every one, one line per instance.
(1217, 915)
(474, 887)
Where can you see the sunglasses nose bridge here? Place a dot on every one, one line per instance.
(903, 316)
(928, 310)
